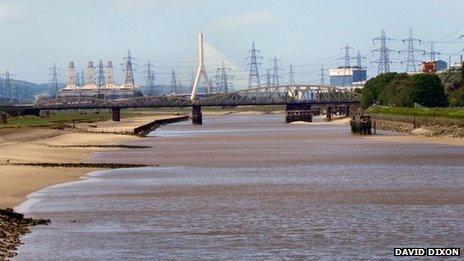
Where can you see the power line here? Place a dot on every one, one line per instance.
(410, 50)
(174, 82)
(322, 75)
(432, 52)
(291, 79)
(7, 94)
(223, 79)
(275, 71)
(54, 80)
(255, 60)
(347, 56)
(359, 58)
(129, 80)
(384, 53)
(150, 79)
(100, 77)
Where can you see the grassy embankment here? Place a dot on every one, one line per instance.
(447, 113)
(60, 119)
(423, 121)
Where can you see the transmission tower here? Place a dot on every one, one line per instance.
(384, 53)
(275, 71)
(433, 54)
(53, 80)
(25, 92)
(347, 56)
(291, 79)
(359, 58)
(254, 60)
(322, 74)
(174, 82)
(100, 77)
(268, 77)
(7, 94)
(129, 80)
(223, 79)
(150, 77)
(411, 51)
(80, 80)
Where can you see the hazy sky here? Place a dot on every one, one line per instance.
(37, 33)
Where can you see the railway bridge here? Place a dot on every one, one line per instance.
(301, 101)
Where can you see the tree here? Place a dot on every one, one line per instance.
(397, 92)
(428, 90)
(374, 88)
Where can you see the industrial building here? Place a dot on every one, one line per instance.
(106, 87)
(347, 76)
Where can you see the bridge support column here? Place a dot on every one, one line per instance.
(116, 114)
(329, 113)
(347, 111)
(298, 112)
(197, 118)
(4, 118)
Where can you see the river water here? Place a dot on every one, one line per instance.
(253, 187)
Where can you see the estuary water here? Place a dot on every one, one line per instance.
(253, 187)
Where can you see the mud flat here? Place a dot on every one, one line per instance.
(35, 158)
(253, 187)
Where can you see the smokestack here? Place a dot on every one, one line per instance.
(90, 73)
(71, 74)
(109, 73)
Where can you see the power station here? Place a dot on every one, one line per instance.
(106, 87)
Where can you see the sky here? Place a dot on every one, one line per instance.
(35, 34)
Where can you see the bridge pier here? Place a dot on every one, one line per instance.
(298, 112)
(197, 118)
(4, 118)
(347, 111)
(116, 112)
(328, 115)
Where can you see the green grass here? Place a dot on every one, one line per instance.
(59, 119)
(56, 120)
(450, 113)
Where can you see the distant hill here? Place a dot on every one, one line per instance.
(24, 91)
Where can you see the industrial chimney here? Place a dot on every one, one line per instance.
(109, 73)
(90, 74)
(71, 74)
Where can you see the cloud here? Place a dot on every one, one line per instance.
(12, 13)
(256, 19)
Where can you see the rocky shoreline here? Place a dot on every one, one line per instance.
(421, 126)
(12, 226)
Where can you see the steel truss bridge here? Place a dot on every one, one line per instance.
(316, 95)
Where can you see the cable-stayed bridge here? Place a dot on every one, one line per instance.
(301, 100)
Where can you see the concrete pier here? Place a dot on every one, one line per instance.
(347, 111)
(298, 112)
(197, 118)
(116, 112)
(329, 113)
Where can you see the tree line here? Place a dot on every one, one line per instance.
(404, 90)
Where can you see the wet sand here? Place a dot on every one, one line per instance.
(247, 186)
(26, 145)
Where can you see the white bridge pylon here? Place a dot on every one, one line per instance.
(201, 71)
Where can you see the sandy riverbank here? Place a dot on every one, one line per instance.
(33, 145)
(52, 147)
